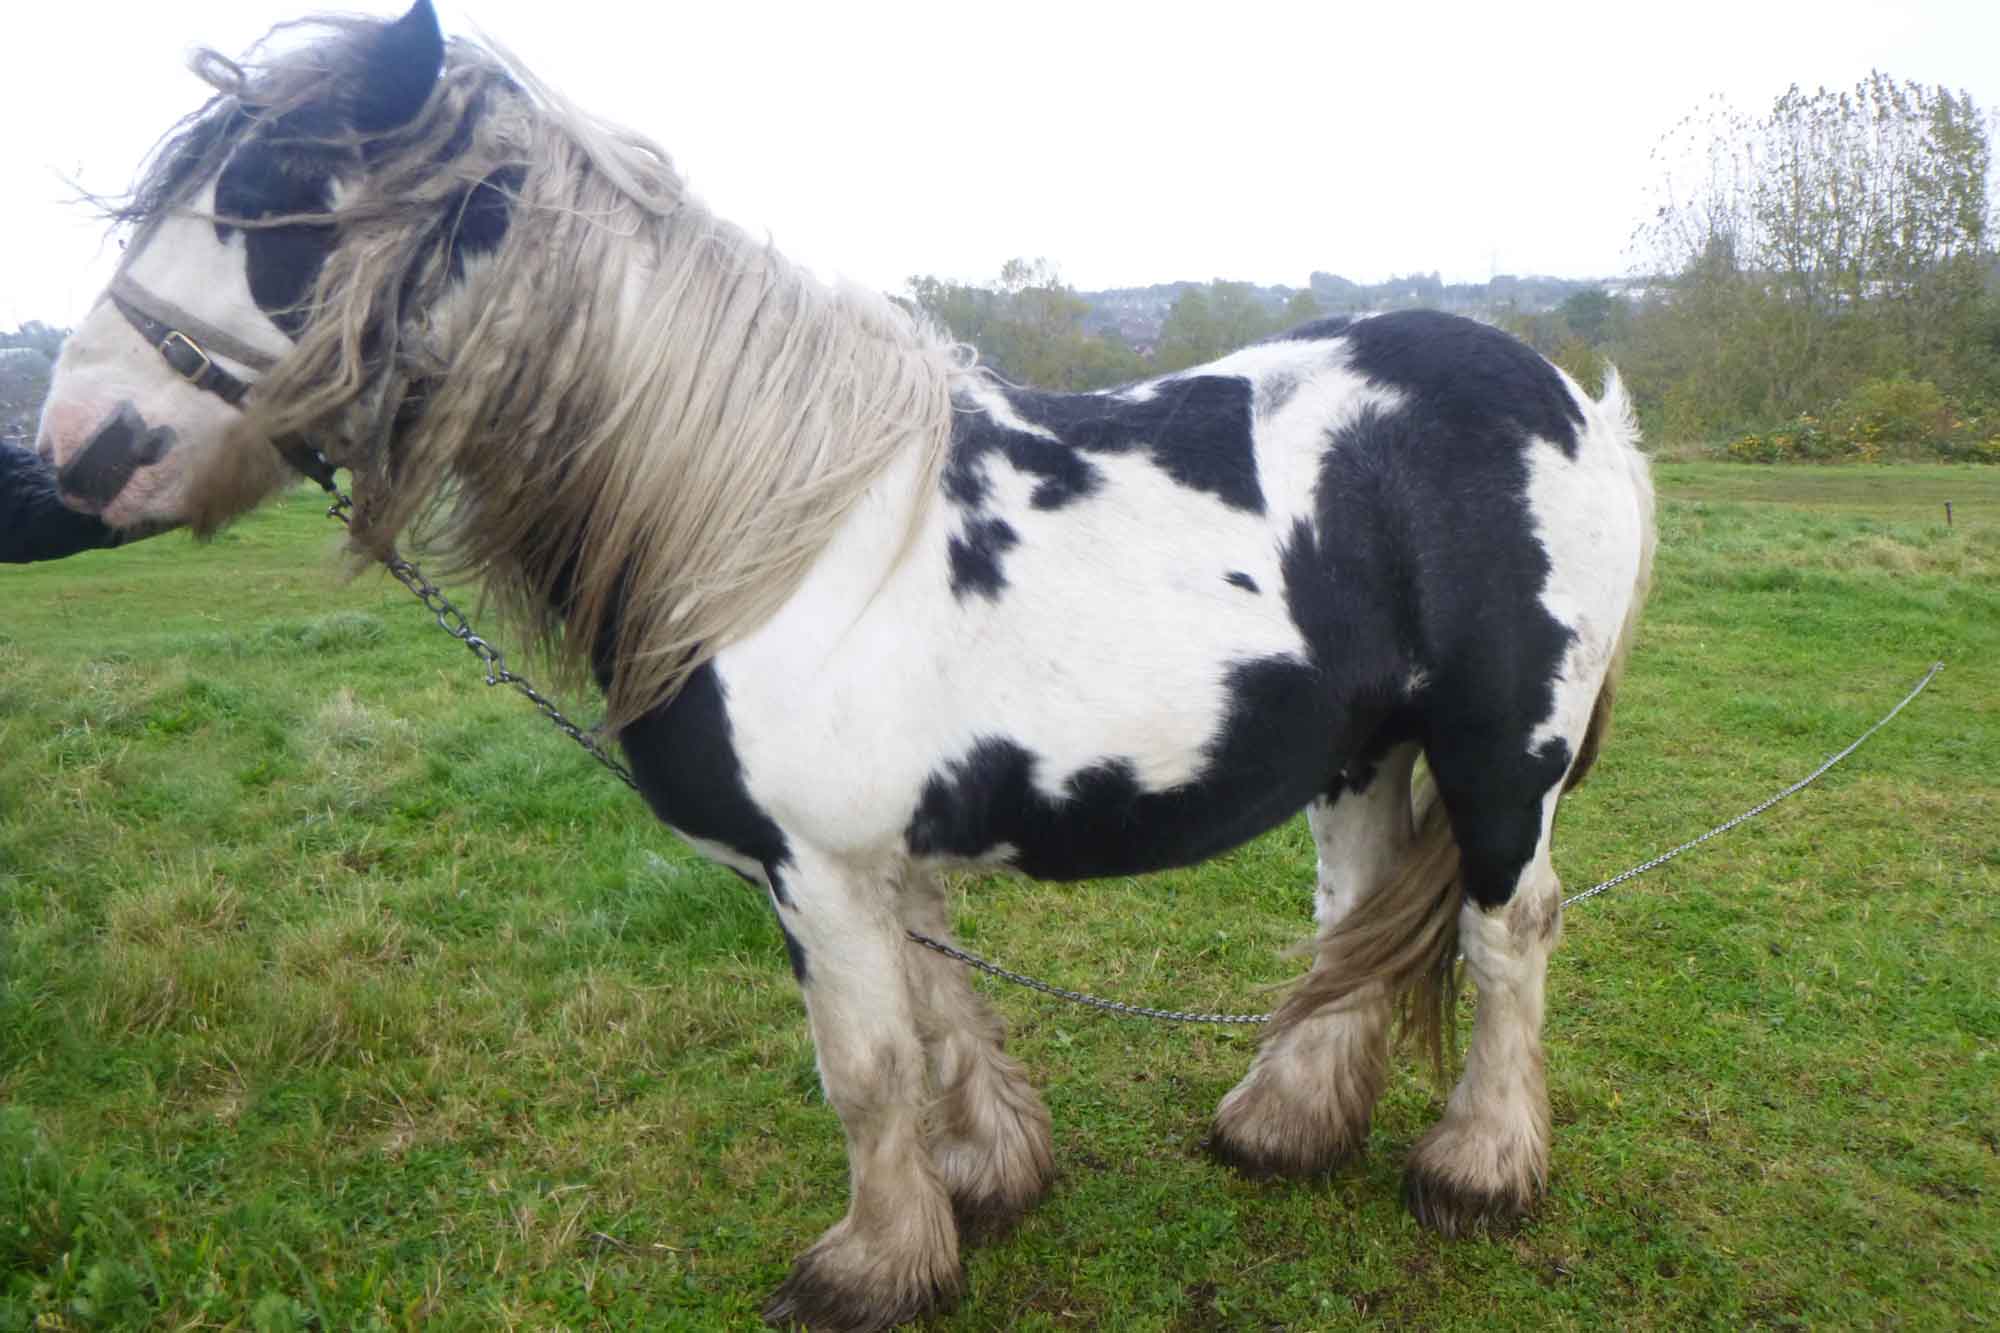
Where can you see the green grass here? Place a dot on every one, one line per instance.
(341, 992)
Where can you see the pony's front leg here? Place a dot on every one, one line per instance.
(990, 1131)
(894, 1256)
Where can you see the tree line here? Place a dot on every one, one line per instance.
(1032, 327)
(1818, 281)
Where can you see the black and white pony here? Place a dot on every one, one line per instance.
(863, 612)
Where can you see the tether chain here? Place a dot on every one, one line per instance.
(1761, 806)
(1077, 996)
(453, 622)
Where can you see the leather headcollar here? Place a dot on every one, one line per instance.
(166, 328)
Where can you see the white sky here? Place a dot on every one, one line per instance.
(1130, 143)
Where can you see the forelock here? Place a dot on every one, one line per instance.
(292, 83)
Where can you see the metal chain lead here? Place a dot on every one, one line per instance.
(453, 622)
(1761, 806)
(1077, 996)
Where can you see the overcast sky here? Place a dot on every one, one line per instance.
(1128, 143)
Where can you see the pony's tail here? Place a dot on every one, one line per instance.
(1611, 417)
(1403, 938)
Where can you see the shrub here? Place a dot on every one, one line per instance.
(1805, 439)
(1885, 417)
(1898, 414)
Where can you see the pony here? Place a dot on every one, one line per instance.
(863, 611)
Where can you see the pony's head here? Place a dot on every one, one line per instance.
(636, 423)
(162, 408)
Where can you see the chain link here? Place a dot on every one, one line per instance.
(453, 622)
(1077, 996)
(1761, 806)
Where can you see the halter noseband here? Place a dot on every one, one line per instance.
(165, 326)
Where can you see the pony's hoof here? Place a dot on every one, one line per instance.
(1262, 1132)
(988, 1217)
(1458, 1182)
(998, 1165)
(831, 1290)
(1267, 1161)
(1454, 1209)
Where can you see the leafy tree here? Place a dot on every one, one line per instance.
(1207, 322)
(1590, 315)
(1190, 334)
(1028, 326)
(1336, 293)
(1843, 236)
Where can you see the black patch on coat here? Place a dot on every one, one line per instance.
(1423, 542)
(1196, 429)
(480, 214)
(684, 758)
(288, 165)
(794, 951)
(270, 176)
(1275, 751)
(283, 263)
(1464, 376)
(975, 557)
(1062, 474)
(1237, 578)
(192, 158)
(1274, 390)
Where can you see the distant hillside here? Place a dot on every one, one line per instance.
(1136, 314)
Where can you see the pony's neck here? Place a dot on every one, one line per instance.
(644, 396)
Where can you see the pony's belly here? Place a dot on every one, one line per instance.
(1279, 743)
(1108, 832)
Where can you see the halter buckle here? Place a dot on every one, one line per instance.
(184, 354)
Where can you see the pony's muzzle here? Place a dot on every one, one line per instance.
(120, 447)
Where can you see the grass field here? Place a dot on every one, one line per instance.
(340, 992)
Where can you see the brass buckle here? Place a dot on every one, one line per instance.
(175, 357)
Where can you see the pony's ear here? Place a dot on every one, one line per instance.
(402, 69)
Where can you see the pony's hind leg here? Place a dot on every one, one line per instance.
(989, 1131)
(894, 1256)
(1306, 1102)
(1487, 1158)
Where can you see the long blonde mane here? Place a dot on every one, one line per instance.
(637, 425)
